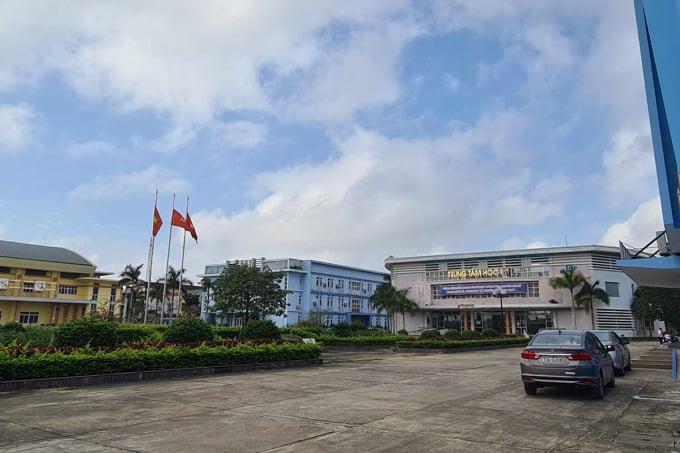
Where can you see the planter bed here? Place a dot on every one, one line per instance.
(136, 376)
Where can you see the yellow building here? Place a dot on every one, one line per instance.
(42, 285)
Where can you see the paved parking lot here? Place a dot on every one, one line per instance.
(380, 402)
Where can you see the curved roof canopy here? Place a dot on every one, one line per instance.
(20, 250)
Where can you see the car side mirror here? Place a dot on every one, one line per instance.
(609, 347)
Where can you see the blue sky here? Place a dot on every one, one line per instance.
(339, 131)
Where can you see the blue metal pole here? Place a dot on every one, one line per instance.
(675, 364)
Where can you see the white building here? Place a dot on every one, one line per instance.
(510, 290)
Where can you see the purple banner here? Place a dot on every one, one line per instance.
(465, 289)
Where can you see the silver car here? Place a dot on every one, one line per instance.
(567, 357)
(617, 348)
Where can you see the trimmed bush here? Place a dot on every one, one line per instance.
(459, 344)
(402, 332)
(470, 334)
(260, 329)
(84, 331)
(304, 332)
(137, 333)
(32, 335)
(12, 327)
(27, 364)
(188, 330)
(373, 340)
(452, 334)
(429, 333)
(490, 333)
(226, 332)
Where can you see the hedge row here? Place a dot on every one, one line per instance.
(87, 361)
(382, 340)
(451, 344)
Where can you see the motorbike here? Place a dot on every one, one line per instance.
(668, 338)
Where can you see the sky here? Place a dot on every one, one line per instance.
(336, 131)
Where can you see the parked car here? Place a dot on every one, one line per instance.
(617, 348)
(567, 357)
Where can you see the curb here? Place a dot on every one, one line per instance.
(452, 350)
(136, 376)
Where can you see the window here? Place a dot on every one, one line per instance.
(95, 293)
(341, 283)
(612, 288)
(71, 290)
(302, 280)
(28, 317)
(356, 305)
(112, 301)
(36, 272)
(319, 281)
(28, 287)
(355, 286)
(4, 270)
(532, 289)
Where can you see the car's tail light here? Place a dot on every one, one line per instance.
(579, 356)
(526, 354)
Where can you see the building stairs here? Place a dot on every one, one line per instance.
(657, 358)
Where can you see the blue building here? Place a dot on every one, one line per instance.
(323, 293)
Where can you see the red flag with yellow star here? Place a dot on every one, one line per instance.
(157, 222)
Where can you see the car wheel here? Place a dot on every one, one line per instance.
(620, 371)
(612, 383)
(530, 388)
(598, 392)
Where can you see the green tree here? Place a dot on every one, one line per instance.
(404, 305)
(130, 276)
(587, 296)
(250, 292)
(171, 281)
(664, 303)
(392, 301)
(645, 309)
(208, 285)
(570, 279)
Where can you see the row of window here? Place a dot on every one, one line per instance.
(39, 273)
(330, 282)
(356, 305)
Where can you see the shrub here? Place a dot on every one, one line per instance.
(429, 333)
(372, 340)
(490, 333)
(343, 329)
(402, 332)
(260, 329)
(226, 331)
(452, 334)
(470, 334)
(136, 333)
(188, 330)
(460, 344)
(12, 327)
(83, 331)
(304, 332)
(32, 335)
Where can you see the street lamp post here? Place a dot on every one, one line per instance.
(499, 294)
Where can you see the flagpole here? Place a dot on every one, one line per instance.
(181, 267)
(150, 260)
(167, 262)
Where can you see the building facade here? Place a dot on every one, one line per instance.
(42, 285)
(323, 293)
(510, 290)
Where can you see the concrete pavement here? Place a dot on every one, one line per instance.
(367, 401)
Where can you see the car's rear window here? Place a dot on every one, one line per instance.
(556, 339)
(603, 336)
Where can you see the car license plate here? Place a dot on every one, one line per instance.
(553, 360)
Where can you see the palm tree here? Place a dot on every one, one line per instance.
(384, 299)
(405, 304)
(171, 281)
(570, 279)
(130, 277)
(587, 296)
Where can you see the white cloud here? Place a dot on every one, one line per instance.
(639, 228)
(236, 134)
(123, 185)
(95, 148)
(16, 127)
(629, 171)
(451, 82)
